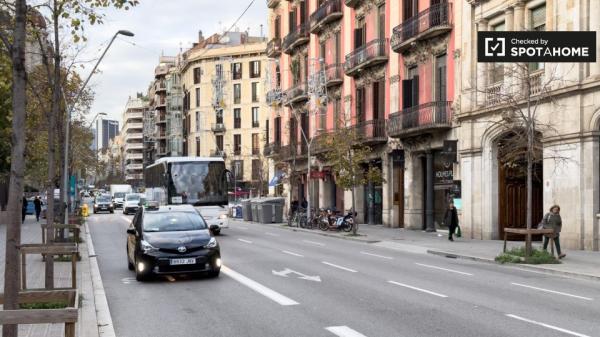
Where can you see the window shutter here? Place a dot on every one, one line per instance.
(407, 93)
(538, 18)
(415, 91)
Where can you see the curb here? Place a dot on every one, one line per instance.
(105, 324)
(527, 267)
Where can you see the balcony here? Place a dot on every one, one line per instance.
(272, 3)
(134, 146)
(274, 48)
(130, 177)
(133, 126)
(371, 54)
(133, 167)
(296, 94)
(274, 97)
(217, 153)
(424, 118)
(272, 149)
(318, 142)
(431, 22)
(494, 94)
(161, 70)
(334, 74)
(134, 115)
(371, 132)
(296, 38)
(353, 3)
(287, 152)
(161, 86)
(161, 103)
(133, 156)
(218, 127)
(328, 12)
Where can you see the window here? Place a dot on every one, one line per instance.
(219, 116)
(237, 118)
(237, 93)
(337, 107)
(255, 144)
(292, 20)
(197, 121)
(197, 75)
(267, 130)
(411, 8)
(219, 71)
(255, 117)
(254, 69)
(381, 22)
(278, 27)
(337, 50)
(254, 92)
(537, 19)
(322, 119)
(237, 167)
(197, 97)
(237, 145)
(440, 78)
(359, 33)
(255, 169)
(236, 71)
(497, 69)
(219, 142)
(410, 88)
(277, 130)
(323, 51)
(360, 104)
(197, 146)
(379, 99)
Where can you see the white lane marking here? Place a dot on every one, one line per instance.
(314, 243)
(376, 255)
(271, 234)
(552, 291)
(259, 288)
(418, 289)
(292, 253)
(572, 333)
(339, 267)
(344, 331)
(440, 268)
(246, 241)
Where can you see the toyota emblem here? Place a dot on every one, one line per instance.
(181, 249)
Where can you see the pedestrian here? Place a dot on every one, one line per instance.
(552, 220)
(451, 220)
(24, 209)
(304, 203)
(37, 202)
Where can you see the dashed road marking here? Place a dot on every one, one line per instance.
(377, 255)
(245, 241)
(314, 243)
(552, 291)
(339, 267)
(344, 331)
(259, 288)
(291, 253)
(445, 269)
(418, 289)
(271, 234)
(569, 332)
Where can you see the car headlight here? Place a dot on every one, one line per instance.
(146, 247)
(223, 216)
(211, 244)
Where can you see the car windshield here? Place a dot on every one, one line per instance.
(132, 197)
(173, 221)
(119, 194)
(102, 199)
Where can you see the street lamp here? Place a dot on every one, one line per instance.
(68, 121)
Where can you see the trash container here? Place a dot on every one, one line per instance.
(265, 212)
(238, 211)
(246, 210)
(277, 213)
(254, 207)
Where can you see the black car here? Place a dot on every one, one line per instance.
(171, 240)
(103, 203)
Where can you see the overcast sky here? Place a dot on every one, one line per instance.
(160, 27)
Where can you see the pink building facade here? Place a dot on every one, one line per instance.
(388, 72)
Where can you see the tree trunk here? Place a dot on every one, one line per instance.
(56, 111)
(530, 136)
(355, 227)
(17, 169)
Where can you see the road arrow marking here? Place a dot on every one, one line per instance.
(287, 271)
(259, 288)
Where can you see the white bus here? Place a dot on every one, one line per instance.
(198, 181)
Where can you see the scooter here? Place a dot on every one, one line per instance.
(345, 223)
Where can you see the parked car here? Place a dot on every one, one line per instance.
(132, 202)
(171, 240)
(103, 203)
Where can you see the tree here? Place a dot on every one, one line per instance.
(16, 47)
(348, 158)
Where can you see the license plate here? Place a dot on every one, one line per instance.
(176, 262)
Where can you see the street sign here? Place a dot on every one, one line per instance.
(287, 271)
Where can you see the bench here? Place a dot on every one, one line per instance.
(528, 233)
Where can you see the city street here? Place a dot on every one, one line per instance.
(277, 282)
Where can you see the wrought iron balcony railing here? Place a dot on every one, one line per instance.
(274, 97)
(372, 131)
(218, 127)
(422, 118)
(334, 74)
(433, 21)
(329, 11)
(296, 38)
(372, 53)
(296, 94)
(274, 47)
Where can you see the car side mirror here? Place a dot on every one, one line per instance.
(213, 227)
(131, 231)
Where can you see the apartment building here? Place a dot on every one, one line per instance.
(157, 139)
(224, 106)
(133, 139)
(567, 167)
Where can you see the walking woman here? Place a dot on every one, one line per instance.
(451, 220)
(552, 220)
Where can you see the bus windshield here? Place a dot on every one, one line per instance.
(197, 183)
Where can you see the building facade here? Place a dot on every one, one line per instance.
(106, 130)
(133, 139)
(567, 101)
(157, 93)
(224, 107)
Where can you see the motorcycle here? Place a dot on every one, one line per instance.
(338, 222)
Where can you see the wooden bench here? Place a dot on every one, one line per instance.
(66, 248)
(67, 315)
(530, 232)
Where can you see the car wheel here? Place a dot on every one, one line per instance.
(217, 231)
(111, 212)
(214, 273)
(130, 265)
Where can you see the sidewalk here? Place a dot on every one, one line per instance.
(578, 263)
(87, 324)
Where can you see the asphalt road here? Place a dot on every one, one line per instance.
(278, 282)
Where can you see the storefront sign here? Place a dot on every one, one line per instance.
(318, 174)
(442, 170)
(450, 149)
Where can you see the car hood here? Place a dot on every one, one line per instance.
(172, 240)
(132, 203)
(119, 199)
(103, 203)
